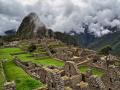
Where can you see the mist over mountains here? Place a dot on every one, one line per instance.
(100, 15)
(33, 27)
(86, 23)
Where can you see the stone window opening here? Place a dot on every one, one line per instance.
(94, 60)
(83, 77)
(53, 85)
(110, 79)
(52, 51)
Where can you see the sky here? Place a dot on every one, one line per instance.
(62, 15)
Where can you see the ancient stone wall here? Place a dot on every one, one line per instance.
(70, 77)
(10, 86)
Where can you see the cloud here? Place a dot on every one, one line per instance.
(63, 15)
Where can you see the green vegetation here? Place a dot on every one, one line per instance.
(13, 72)
(32, 47)
(83, 69)
(23, 80)
(47, 61)
(10, 50)
(2, 79)
(105, 50)
(5, 53)
(112, 39)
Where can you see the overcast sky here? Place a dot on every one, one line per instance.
(62, 15)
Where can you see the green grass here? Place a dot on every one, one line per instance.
(47, 61)
(9, 50)
(22, 79)
(5, 53)
(83, 69)
(2, 79)
(13, 72)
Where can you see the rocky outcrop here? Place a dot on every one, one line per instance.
(31, 27)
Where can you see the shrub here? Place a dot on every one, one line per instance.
(31, 48)
(105, 50)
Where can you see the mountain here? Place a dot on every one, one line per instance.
(84, 38)
(89, 40)
(112, 39)
(66, 38)
(31, 27)
(10, 32)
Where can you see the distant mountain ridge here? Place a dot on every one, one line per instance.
(112, 39)
(10, 32)
(32, 27)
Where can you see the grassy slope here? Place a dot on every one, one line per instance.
(23, 81)
(2, 79)
(99, 73)
(112, 39)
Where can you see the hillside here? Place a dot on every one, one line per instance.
(112, 39)
(33, 27)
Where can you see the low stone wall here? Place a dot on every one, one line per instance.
(10, 86)
(70, 77)
(34, 70)
(39, 55)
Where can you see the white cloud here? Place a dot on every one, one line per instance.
(63, 15)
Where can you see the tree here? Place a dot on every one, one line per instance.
(31, 48)
(105, 50)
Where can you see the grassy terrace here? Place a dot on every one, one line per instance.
(47, 61)
(23, 80)
(98, 73)
(2, 79)
(13, 72)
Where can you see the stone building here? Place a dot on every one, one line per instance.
(70, 78)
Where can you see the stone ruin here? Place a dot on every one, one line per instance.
(70, 78)
(79, 55)
(11, 44)
(72, 54)
(102, 62)
(10, 86)
(111, 79)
